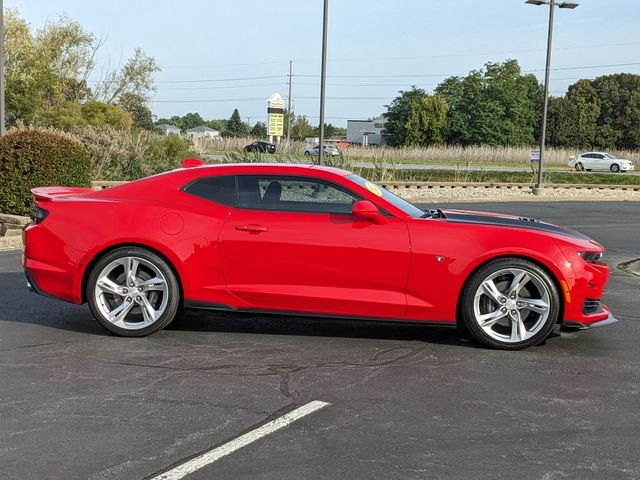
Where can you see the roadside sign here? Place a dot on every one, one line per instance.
(275, 110)
(535, 155)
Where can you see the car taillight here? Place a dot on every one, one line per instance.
(38, 214)
(591, 257)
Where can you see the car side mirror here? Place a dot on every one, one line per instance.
(366, 210)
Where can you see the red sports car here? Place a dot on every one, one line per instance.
(306, 240)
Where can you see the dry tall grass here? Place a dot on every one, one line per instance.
(449, 154)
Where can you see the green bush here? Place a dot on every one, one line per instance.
(35, 158)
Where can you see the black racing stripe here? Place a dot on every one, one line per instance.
(527, 223)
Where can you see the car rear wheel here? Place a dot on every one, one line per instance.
(510, 304)
(615, 168)
(579, 167)
(133, 292)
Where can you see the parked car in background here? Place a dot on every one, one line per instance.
(328, 150)
(342, 144)
(261, 146)
(600, 161)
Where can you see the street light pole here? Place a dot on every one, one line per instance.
(538, 189)
(543, 133)
(323, 79)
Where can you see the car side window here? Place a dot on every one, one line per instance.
(293, 194)
(216, 189)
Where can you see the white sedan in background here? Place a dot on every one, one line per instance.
(329, 150)
(600, 161)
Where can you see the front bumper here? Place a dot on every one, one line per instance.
(572, 325)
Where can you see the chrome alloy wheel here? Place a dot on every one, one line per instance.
(512, 305)
(131, 293)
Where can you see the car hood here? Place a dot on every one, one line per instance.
(503, 220)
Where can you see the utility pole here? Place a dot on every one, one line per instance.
(323, 79)
(289, 106)
(2, 107)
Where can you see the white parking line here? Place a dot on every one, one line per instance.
(211, 456)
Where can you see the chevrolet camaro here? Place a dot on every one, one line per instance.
(306, 240)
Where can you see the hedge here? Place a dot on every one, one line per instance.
(39, 157)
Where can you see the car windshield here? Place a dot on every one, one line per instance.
(610, 156)
(396, 201)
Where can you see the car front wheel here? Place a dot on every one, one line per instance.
(615, 168)
(133, 292)
(510, 304)
(579, 167)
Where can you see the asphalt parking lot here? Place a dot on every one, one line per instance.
(405, 401)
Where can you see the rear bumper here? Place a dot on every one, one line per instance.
(569, 324)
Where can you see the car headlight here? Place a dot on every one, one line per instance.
(591, 257)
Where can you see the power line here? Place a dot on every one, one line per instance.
(314, 84)
(207, 80)
(225, 87)
(215, 100)
(416, 57)
(463, 74)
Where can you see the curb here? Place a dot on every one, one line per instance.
(506, 186)
(10, 243)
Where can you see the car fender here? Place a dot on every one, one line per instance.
(84, 266)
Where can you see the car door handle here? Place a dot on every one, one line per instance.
(252, 228)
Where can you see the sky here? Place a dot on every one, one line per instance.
(217, 55)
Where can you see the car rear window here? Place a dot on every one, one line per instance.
(216, 189)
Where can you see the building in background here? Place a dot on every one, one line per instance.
(166, 129)
(367, 132)
(202, 131)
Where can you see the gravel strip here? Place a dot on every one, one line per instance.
(472, 194)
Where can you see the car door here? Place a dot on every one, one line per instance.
(600, 162)
(293, 245)
(586, 161)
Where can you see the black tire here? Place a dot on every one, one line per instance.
(615, 168)
(172, 289)
(538, 324)
(307, 154)
(579, 167)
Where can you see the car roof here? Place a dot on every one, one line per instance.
(285, 168)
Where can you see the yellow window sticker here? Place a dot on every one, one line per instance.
(373, 189)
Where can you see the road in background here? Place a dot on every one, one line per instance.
(485, 167)
(406, 402)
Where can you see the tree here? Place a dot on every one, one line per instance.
(136, 77)
(191, 120)
(220, 125)
(235, 126)
(398, 113)
(137, 107)
(603, 113)
(49, 67)
(426, 121)
(259, 130)
(71, 115)
(301, 129)
(330, 131)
